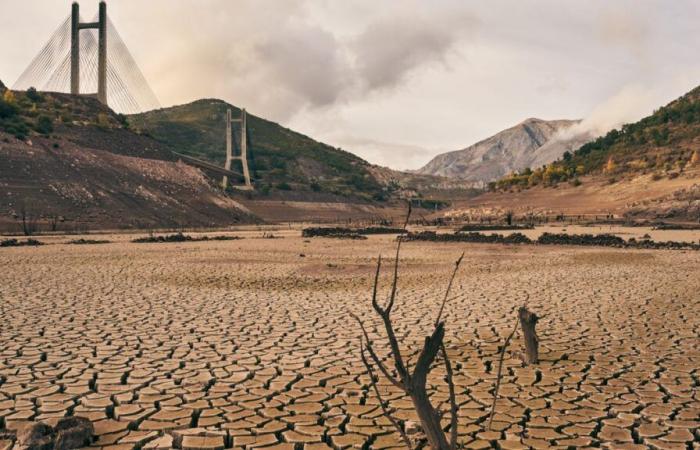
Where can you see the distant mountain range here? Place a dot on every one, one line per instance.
(531, 143)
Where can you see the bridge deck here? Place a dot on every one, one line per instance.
(207, 165)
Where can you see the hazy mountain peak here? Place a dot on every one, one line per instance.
(532, 142)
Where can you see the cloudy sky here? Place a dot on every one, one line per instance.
(396, 81)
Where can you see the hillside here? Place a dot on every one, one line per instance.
(281, 159)
(663, 145)
(530, 143)
(647, 170)
(71, 161)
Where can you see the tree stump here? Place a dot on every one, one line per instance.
(528, 321)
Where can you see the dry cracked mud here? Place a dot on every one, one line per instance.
(246, 344)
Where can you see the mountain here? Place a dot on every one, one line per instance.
(664, 144)
(647, 170)
(74, 162)
(529, 143)
(281, 159)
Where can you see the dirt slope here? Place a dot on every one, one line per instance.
(92, 188)
(642, 197)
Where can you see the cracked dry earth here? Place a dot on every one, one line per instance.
(245, 344)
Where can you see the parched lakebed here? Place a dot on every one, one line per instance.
(249, 343)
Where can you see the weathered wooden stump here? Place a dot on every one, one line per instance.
(528, 321)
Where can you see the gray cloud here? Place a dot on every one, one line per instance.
(390, 48)
(428, 75)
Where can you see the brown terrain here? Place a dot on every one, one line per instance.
(639, 197)
(248, 343)
(91, 187)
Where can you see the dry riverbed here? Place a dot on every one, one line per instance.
(248, 343)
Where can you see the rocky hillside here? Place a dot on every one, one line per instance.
(281, 159)
(530, 143)
(70, 163)
(665, 144)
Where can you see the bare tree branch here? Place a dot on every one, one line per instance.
(500, 367)
(453, 399)
(449, 287)
(374, 356)
(375, 305)
(386, 412)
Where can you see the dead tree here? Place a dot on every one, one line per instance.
(28, 221)
(528, 321)
(412, 383)
(53, 220)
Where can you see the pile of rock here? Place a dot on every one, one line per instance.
(179, 237)
(599, 240)
(347, 233)
(603, 240)
(18, 243)
(495, 227)
(513, 238)
(82, 241)
(69, 433)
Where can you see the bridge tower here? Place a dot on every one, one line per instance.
(243, 157)
(101, 26)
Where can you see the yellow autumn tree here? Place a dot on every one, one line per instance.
(610, 166)
(695, 159)
(9, 96)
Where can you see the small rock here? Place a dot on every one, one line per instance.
(412, 427)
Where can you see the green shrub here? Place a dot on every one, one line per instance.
(7, 110)
(44, 125)
(34, 96)
(283, 186)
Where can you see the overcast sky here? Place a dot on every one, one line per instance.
(396, 81)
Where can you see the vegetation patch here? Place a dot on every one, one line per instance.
(661, 143)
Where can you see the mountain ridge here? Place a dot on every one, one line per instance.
(504, 152)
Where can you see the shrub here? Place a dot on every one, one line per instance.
(102, 120)
(7, 109)
(44, 125)
(283, 186)
(34, 96)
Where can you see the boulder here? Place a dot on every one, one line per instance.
(36, 436)
(73, 432)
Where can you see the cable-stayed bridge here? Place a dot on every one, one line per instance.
(90, 58)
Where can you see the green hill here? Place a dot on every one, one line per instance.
(664, 143)
(281, 159)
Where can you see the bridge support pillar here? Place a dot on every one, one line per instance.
(75, 50)
(102, 55)
(101, 26)
(243, 157)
